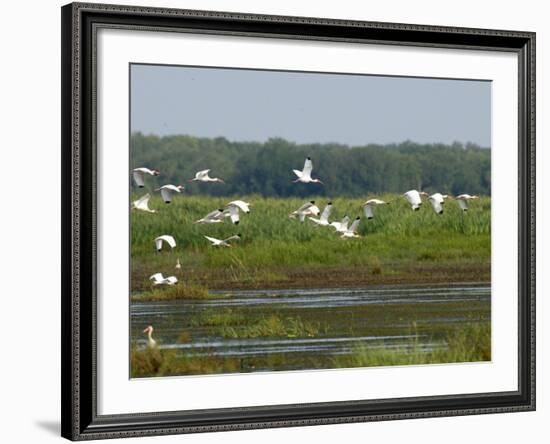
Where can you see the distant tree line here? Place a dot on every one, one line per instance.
(266, 168)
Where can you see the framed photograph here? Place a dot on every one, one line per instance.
(275, 221)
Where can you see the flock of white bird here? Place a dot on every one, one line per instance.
(308, 210)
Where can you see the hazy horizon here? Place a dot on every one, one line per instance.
(244, 105)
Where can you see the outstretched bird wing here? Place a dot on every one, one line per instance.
(369, 213)
(165, 193)
(354, 225)
(213, 239)
(308, 167)
(138, 178)
(326, 212)
(233, 214)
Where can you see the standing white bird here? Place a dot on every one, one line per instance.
(369, 205)
(304, 176)
(165, 238)
(342, 225)
(414, 199)
(139, 175)
(178, 265)
(143, 204)
(159, 279)
(203, 176)
(352, 230)
(151, 343)
(463, 200)
(167, 190)
(437, 200)
(323, 220)
(215, 217)
(306, 209)
(224, 242)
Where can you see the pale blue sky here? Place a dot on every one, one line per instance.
(253, 105)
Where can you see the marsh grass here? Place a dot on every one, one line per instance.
(273, 246)
(174, 292)
(468, 343)
(231, 324)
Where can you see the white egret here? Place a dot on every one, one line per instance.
(139, 175)
(369, 205)
(203, 176)
(241, 205)
(143, 204)
(178, 265)
(463, 200)
(342, 225)
(215, 217)
(223, 242)
(437, 200)
(414, 199)
(167, 190)
(151, 343)
(306, 209)
(304, 176)
(352, 230)
(323, 220)
(165, 238)
(159, 279)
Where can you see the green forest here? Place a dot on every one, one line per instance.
(266, 168)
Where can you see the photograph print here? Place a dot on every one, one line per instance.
(288, 221)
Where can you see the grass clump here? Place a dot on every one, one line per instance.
(273, 326)
(169, 293)
(470, 343)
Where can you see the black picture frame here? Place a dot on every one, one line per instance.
(79, 396)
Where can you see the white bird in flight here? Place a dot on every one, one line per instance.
(232, 210)
(414, 199)
(214, 217)
(352, 230)
(233, 213)
(151, 343)
(369, 205)
(306, 209)
(165, 238)
(159, 279)
(342, 225)
(437, 200)
(463, 200)
(139, 175)
(323, 220)
(203, 176)
(223, 242)
(304, 176)
(167, 190)
(244, 206)
(143, 204)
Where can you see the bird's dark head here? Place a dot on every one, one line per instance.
(330, 203)
(308, 158)
(312, 202)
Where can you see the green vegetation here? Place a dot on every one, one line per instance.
(266, 168)
(397, 246)
(232, 324)
(468, 343)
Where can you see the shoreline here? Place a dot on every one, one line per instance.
(334, 277)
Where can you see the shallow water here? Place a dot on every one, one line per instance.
(388, 317)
